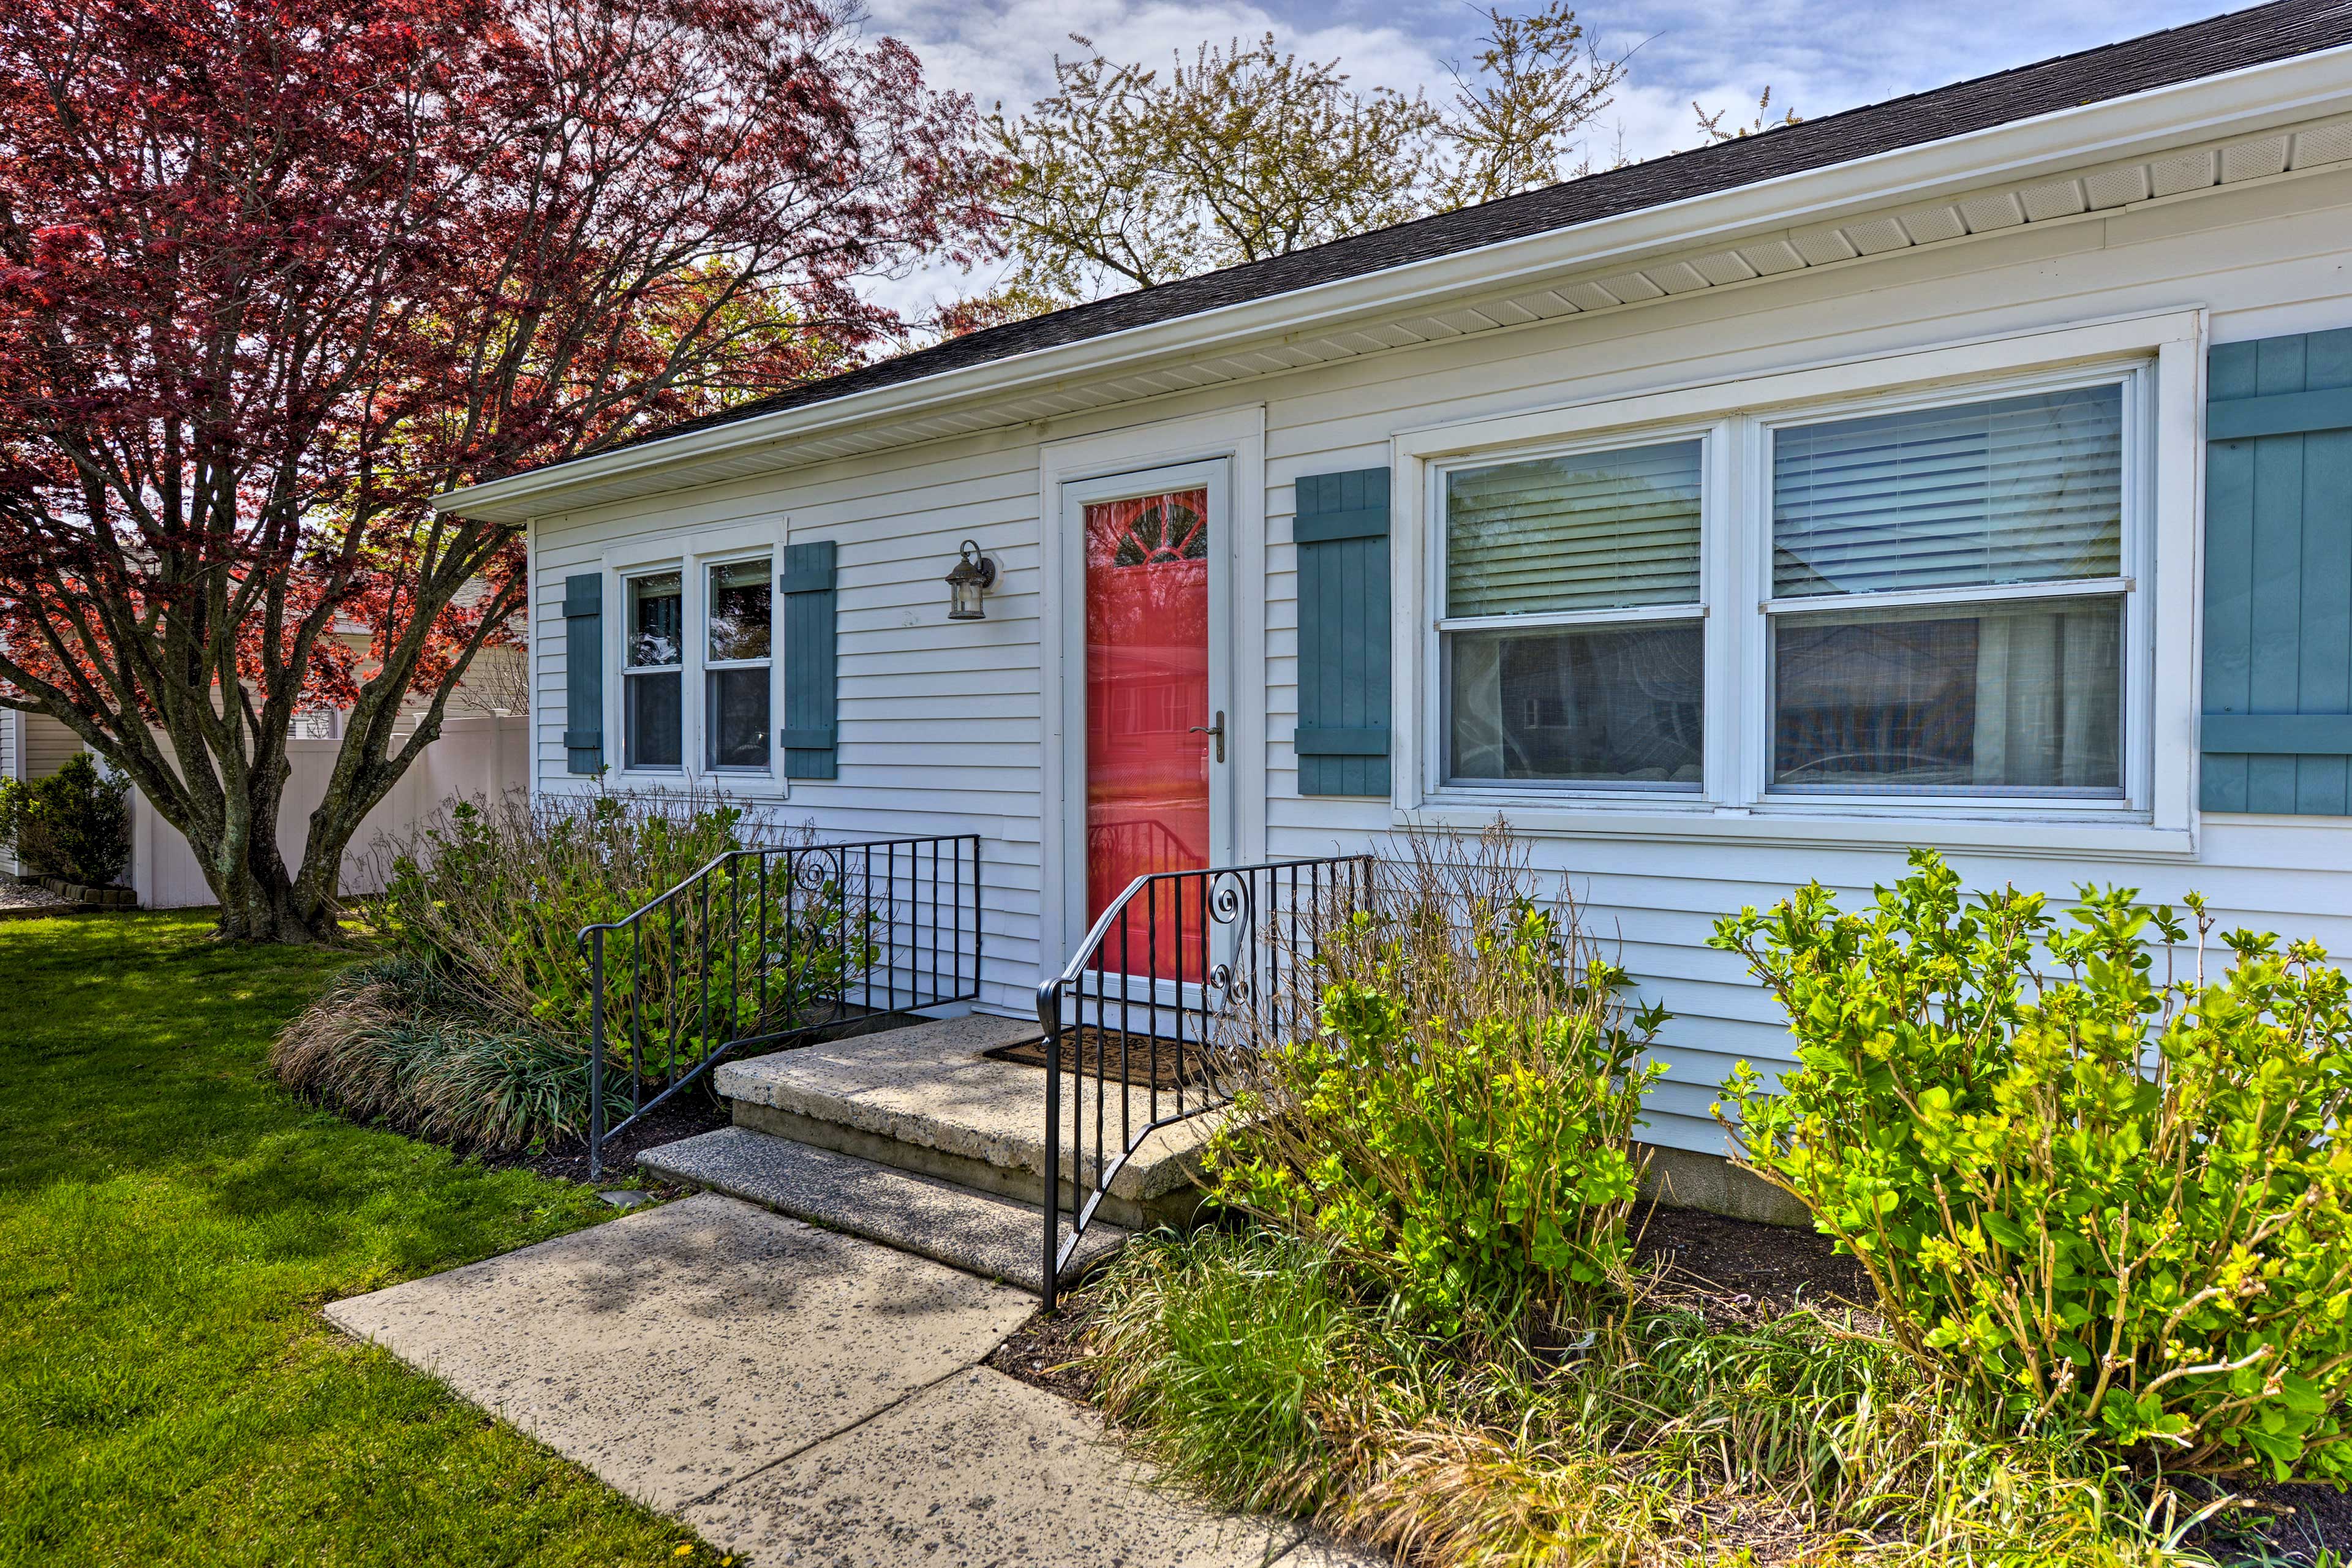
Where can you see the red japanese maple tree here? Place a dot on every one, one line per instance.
(273, 273)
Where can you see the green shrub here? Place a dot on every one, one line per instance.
(497, 894)
(1462, 1120)
(2111, 1202)
(481, 1031)
(74, 824)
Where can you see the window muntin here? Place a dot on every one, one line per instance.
(1975, 554)
(1574, 650)
(652, 681)
(738, 620)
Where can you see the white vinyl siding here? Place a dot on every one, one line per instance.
(941, 728)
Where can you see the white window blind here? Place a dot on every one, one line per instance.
(2020, 490)
(1595, 532)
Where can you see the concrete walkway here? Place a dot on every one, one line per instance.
(800, 1396)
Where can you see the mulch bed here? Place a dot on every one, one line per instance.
(1045, 1351)
(1097, 1053)
(693, 1111)
(30, 901)
(1737, 1270)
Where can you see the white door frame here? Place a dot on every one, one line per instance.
(1225, 453)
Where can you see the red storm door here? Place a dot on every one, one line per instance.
(1147, 714)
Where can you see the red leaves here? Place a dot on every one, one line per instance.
(272, 274)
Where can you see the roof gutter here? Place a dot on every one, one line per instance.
(2256, 98)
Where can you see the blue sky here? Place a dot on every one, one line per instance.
(1817, 56)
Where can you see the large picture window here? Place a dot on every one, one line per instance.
(1947, 599)
(1574, 647)
(1767, 600)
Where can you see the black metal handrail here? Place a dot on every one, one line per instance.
(768, 945)
(1139, 1011)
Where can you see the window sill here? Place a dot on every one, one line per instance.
(740, 787)
(2076, 837)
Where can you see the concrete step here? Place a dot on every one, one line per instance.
(930, 1100)
(995, 1238)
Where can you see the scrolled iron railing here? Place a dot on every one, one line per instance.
(1134, 1023)
(768, 945)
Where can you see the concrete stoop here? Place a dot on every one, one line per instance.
(915, 1137)
(980, 1233)
(929, 1100)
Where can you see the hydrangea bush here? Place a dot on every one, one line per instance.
(2110, 1195)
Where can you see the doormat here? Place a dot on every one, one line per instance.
(1096, 1052)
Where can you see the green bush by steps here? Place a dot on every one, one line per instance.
(477, 1029)
(2110, 1199)
(1462, 1120)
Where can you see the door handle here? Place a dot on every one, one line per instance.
(1215, 732)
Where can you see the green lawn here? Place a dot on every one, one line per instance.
(171, 1223)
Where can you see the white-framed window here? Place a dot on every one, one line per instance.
(652, 681)
(1949, 603)
(1838, 600)
(739, 624)
(1572, 629)
(697, 666)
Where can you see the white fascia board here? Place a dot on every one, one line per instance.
(2254, 99)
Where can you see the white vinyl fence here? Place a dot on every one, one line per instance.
(477, 755)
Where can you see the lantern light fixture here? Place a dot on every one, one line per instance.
(967, 582)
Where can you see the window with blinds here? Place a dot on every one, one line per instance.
(1597, 532)
(1587, 684)
(2020, 489)
(2014, 685)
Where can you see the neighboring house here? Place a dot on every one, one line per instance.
(1973, 469)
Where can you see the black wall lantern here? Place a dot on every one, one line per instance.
(972, 576)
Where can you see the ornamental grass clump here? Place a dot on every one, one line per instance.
(2112, 1202)
(1267, 1373)
(1460, 1116)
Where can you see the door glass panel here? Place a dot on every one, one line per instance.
(1147, 689)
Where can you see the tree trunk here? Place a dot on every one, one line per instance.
(263, 913)
(260, 900)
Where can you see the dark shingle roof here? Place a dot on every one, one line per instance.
(2250, 38)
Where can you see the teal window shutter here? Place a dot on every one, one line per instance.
(2277, 731)
(1341, 528)
(584, 673)
(811, 671)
